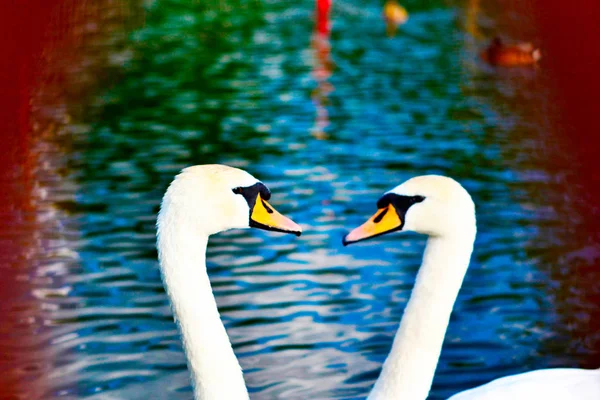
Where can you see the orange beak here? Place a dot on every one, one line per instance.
(264, 216)
(385, 220)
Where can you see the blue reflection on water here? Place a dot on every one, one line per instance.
(308, 319)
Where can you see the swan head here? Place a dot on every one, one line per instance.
(215, 198)
(431, 204)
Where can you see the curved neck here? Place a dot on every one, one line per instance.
(216, 373)
(409, 368)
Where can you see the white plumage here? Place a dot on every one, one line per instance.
(547, 384)
(198, 203)
(445, 211)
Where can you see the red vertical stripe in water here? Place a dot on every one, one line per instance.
(22, 24)
(571, 37)
(322, 10)
(570, 33)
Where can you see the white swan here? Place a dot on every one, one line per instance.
(203, 200)
(441, 208)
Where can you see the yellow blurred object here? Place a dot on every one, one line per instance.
(394, 15)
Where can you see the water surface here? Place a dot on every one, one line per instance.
(328, 124)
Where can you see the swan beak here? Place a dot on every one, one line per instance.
(264, 216)
(385, 220)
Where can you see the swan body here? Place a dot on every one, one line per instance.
(203, 200)
(548, 384)
(516, 55)
(441, 208)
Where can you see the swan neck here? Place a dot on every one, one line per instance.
(409, 368)
(216, 372)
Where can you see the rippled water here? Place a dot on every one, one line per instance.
(328, 126)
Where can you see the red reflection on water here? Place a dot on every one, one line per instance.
(322, 67)
(571, 56)
(22, 25)
(569, 65)
(50, 70)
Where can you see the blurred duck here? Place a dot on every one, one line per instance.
(394, 15)
(441, 208)
(201, 201)
(515, 55)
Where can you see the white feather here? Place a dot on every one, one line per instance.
(547, 384)
(447, 215)
(199, 203)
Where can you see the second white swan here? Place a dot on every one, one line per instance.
(441, 208)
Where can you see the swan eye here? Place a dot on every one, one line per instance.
(265, 193)
(418, 199)
(251, 193)
(401, 203)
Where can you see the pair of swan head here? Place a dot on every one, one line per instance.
(204, 200)
(215, 198)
